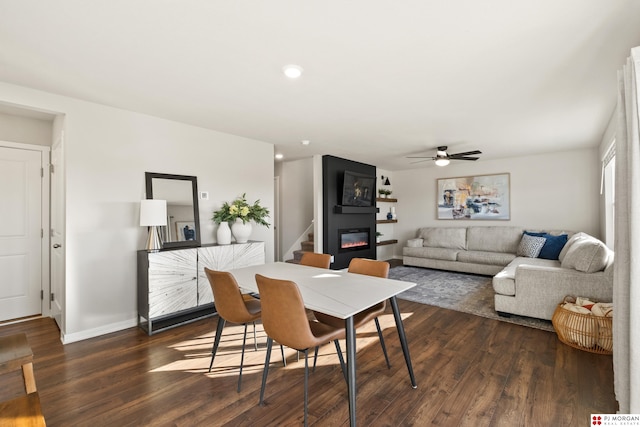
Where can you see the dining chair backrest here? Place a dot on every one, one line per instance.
(283, 314)
(314, 259)
(230, 304)
(369, 267)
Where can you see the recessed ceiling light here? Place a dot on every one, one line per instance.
(305, 142)
(292, 71)
(279, 156)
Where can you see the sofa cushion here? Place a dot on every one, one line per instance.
(530, 246)
(570, 242)
(494, 239)
(504, 282)
(587, 254)
(444, 237)
(414, 243)
(553, 244)
(484, 257)
(432, 253)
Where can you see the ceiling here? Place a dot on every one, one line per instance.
(382, 80)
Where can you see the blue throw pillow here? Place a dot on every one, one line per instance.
(532, 233)
(553, 245)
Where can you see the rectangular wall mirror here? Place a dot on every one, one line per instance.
(183, 219)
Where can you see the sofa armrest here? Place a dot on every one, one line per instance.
(415, 243)
(543, 283)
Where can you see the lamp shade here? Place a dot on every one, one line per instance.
(153, 212)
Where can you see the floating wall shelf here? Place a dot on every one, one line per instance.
(386, 221)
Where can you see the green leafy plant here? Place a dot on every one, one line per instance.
(384, 191)
(240, 208)
(378, 234)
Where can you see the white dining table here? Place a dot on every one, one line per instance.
(340, 294)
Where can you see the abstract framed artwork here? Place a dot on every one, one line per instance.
(479, 197)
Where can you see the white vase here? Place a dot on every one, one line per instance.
(224, 233)
(241, 231)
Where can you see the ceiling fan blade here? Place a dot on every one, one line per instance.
(420, 157)
(467, 153)
(464, 158)
(420, 161)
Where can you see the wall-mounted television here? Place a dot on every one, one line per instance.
(358, 189)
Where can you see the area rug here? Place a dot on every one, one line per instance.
(468, 293)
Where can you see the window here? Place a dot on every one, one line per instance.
(609, 179)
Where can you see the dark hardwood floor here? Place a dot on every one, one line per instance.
(471, 371)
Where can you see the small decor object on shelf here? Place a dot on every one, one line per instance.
(378, 236)
(389, 215)
(153, 214)
(240, 213)
(223, 233)
(384, 193)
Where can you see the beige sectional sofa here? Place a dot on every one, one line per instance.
(523, 285)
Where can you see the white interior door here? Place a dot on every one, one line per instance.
(57, 232)
(20, 233)
(276, 217)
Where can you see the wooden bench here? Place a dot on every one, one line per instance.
(16, 354)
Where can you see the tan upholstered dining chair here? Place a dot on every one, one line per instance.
(235, 307)
(314, 259)
(370, 268)
(285, 320)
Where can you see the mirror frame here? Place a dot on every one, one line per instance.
(149, 176)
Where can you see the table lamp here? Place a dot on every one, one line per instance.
(153, 214)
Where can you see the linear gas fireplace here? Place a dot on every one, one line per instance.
(353, 239)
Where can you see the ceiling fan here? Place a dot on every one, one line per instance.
(442, 158)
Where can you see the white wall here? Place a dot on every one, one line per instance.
(550, 191)
(27, 130)
(107, 151)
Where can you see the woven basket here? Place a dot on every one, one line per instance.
(584, 331)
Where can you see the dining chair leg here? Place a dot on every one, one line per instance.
(216, 341)
(284, 360)
(244, 341)
(306, 384)
(339, 351)
(384, 348)
(255, 340)
(265, 371)
(315, 358)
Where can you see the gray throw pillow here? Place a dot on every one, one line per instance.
(530, 246)
(587, 255)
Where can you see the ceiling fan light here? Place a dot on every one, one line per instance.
(442, 162)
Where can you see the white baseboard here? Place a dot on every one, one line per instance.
(96, 332)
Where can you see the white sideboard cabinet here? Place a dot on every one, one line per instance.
(173, 288)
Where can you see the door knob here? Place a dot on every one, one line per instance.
(57, 245)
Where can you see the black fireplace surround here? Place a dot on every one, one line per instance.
(348, 231)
